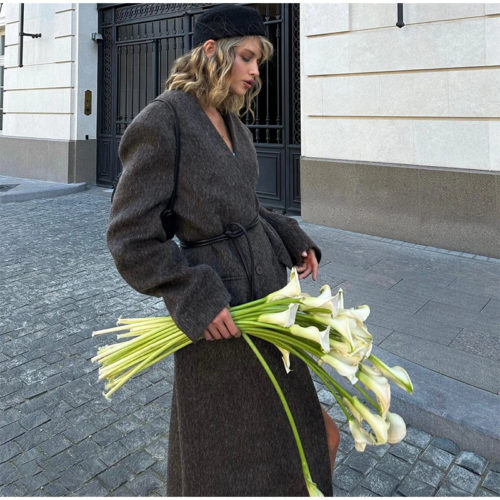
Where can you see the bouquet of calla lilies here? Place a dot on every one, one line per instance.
(317, 330)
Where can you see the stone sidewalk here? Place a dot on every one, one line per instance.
(60, 437)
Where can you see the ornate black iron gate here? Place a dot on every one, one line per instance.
(140, 44)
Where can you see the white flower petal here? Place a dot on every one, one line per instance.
(397, 428)
(292, 289)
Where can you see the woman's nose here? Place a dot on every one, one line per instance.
(255, 70)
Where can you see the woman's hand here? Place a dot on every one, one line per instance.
(309, 265)
(222, 327)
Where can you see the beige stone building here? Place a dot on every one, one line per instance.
(46, 133)
(400, 126)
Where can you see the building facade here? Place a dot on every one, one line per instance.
(386, 130)
(47, 132)
(400, 126)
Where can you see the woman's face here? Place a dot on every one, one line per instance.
(245, 66)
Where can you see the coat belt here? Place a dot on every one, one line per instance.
(233, 232)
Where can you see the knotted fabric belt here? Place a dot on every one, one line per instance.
(233, 231)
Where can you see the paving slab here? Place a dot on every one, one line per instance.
(54, 421)
(472, 369)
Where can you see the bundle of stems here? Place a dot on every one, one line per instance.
(317, 330)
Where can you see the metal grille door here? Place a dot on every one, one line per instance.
(140, 44)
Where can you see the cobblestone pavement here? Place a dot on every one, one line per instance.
(60, 437)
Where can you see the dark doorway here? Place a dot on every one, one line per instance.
(140, 44)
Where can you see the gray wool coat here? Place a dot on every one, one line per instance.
(229, 435)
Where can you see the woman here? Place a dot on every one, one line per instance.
(229, 435)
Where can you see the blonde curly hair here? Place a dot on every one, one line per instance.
(209, 78)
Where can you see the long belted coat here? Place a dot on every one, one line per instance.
(229, 435)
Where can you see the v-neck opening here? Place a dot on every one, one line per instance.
(228, 122)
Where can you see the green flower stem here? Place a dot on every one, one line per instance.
(132, 346)
(248, 304)
(333, 386)
(131, 373)
(268, 307)
(151, 360)
(368, 398)
(125, 360)
(303, 461)
(282, 332)
(133, 343)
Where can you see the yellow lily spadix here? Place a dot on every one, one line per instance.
(316, 330)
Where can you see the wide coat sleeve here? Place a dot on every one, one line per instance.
(194, 295)
(292, 235)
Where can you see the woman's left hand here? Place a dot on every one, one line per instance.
(309, 265)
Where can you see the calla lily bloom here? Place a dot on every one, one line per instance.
(397, 428)
(341, 324)
(292, 289)
(376, 422)
(313, 489)
(340, 346)
(361, 437)
(344, 365)
(372, 379)
(359, 313)
(313, 333)
(397, 374)
(324, 300)
(286, 358)
(284, 318)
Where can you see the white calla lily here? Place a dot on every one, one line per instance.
(343, 365)
(362, 349)
(359, 331)
(361, 437)
(284, 318)
(322, 337)
(286, 358)
(373, 380)
(341, 325)
(324, 300)
(359, 313)
(396, 374)
(376, 422)
(292, 288)
(397, 428)
(340, 346)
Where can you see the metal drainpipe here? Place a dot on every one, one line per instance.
(400, 22)
(22, 34)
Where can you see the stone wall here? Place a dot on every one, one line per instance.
(375, 96)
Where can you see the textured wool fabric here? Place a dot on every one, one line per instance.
(226, 21)
(229, 435)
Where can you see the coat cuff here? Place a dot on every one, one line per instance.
(199, 303)
(294, 238)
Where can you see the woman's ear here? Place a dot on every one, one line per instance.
(209, 48)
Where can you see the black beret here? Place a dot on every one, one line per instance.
(226, 21)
